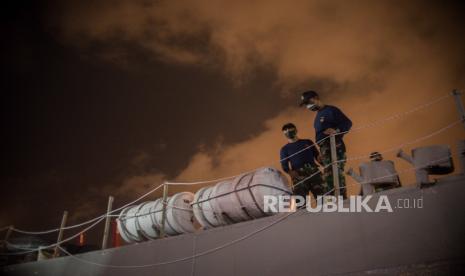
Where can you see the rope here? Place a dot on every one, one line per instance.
(300, 182)
(5, 228)
(369, 125)
(400, 115)
(54, 244)
(338, 161)
(89, 221)
(209, 251)
(56, 229)
(219, 247)
(185, 258)
(422, 138)
(370, 180)
(395, 116)
(225, 245)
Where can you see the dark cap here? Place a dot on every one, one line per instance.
(288, 126)
(306, 96)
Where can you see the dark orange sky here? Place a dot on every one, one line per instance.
(111, 97)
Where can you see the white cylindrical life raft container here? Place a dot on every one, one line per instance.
(240, 199)
(144, 221)
(203, 210)
(179, 214)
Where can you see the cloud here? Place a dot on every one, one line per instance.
(139, 184)
(375, 57)
(258, 151)
(347, 42)
(130, 188)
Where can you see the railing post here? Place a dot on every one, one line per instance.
(165, 203)
(60, 234)
(332, 141)
(461, 145)
(458, 103)
(106, 231)
(7, 235)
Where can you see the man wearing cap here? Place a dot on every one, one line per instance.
(329, 120)
(377, 157)
(298, 159)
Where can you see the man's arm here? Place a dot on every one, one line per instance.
(343, 122)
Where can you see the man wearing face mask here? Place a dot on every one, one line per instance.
(329, 120)
(298, 158)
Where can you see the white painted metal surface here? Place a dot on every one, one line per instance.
(377, 173)
(428, 157)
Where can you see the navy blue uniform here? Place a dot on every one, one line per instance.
(330, 117)
(308, 178)
(299, 160)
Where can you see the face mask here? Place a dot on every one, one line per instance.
(312, 107)
(291, 134)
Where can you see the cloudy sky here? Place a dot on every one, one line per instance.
(113, 97)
